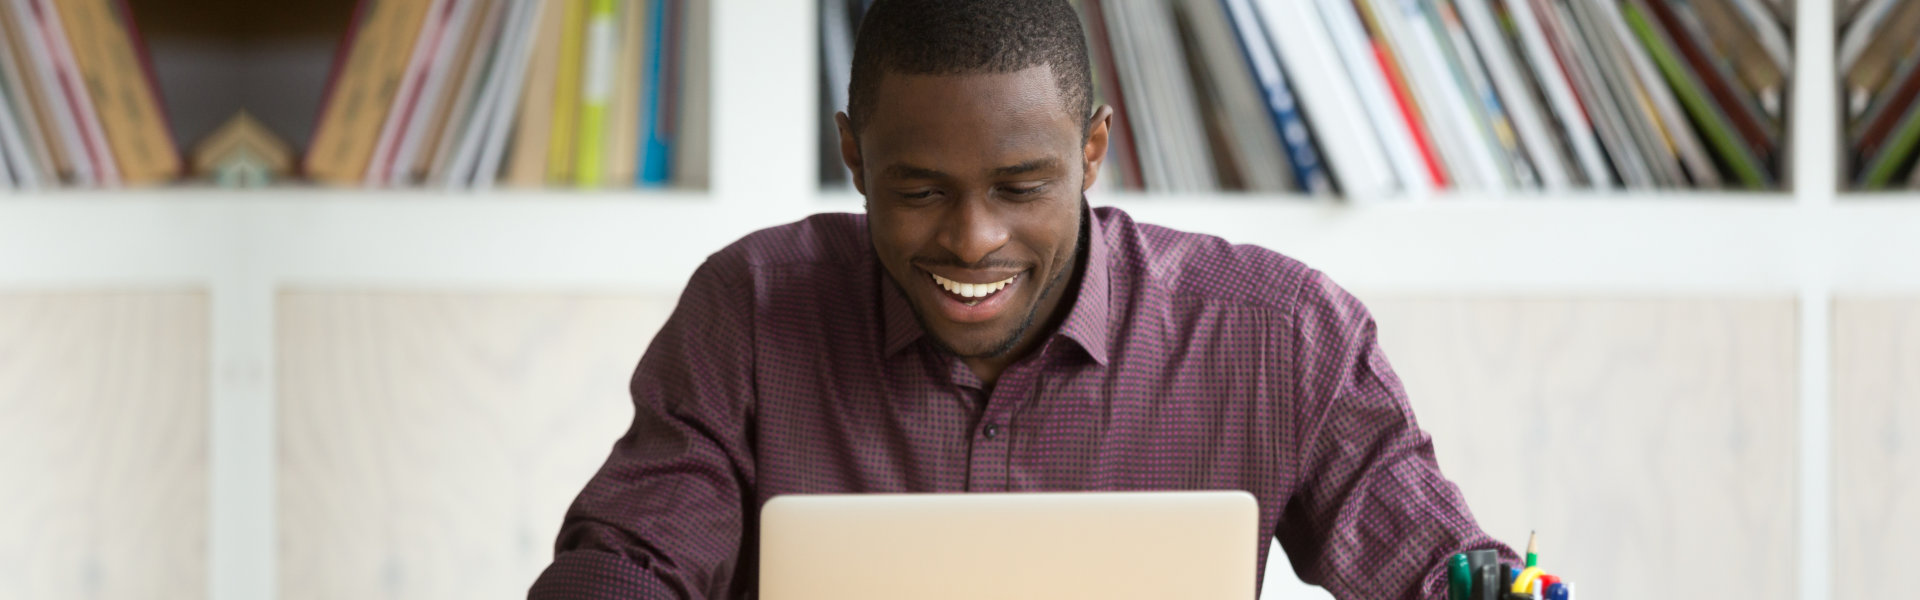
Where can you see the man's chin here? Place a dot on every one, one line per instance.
(978, 345)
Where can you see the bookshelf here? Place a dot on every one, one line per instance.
(245, 247)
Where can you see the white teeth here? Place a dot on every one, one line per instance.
(972, 290)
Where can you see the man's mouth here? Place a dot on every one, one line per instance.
(972, 294)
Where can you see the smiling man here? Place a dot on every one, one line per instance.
(982, 329)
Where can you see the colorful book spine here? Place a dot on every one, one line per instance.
(656, 152)
(1308, 170)
(596, 92)
(1740, 159)
(566, 90)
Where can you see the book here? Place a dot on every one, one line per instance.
(533, 128)
(501, 99)
(399, 114)
(1164, 62)
(348, 128)
(15, 158)
(1143, 112)
(1403, 98)
(1654, 118)
(656, 146)
(17, 102)
(1873, 126)
(1448, 105)
(596, 93)
(692, 154)
(565, 110)
(1352, 147)
(1740, 159)
(1558, 88)
(1739, 109)
(1734, 41)
(1885, 163)
(1121, 141)
(623, 126)
(1468, 70)
(1528, 119)
(1609, 118)
(1356, 50)
(49, 98)
(426, 148)
(1871, 66)
(458, 131)
(1253, 147)
(91, 136)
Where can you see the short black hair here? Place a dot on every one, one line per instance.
(955, 37)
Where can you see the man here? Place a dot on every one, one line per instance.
(982, 330)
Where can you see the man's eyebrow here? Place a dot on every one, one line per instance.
(900, 171)
(1038, 164)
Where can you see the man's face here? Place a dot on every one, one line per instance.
(973, 186)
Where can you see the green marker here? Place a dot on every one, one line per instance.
(1459, 578)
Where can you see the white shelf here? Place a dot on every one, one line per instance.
(1650, 243)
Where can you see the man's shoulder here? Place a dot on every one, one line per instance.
(821, 238)
(1197, 266)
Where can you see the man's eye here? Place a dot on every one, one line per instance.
(1025, 191)
(922, 194)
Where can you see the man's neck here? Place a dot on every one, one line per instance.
(988, 369)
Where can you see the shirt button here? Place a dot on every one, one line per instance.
(992, 431)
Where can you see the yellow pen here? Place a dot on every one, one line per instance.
(1525, 581)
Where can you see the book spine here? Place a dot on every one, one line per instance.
(566, 93)
(93, 139)
(1403, 98)
(1120, 132)
(656, 151)
(1739, 158)
(496, 120)
(1566, 106)
(1369, 79)
(596, 91)
(407, 98)
(1309, 172)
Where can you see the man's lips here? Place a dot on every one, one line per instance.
(973, 291)
(972, 296)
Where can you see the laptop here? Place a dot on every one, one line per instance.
(1091, 545)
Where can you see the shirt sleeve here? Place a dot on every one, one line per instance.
(1373, 517)
(665, 517)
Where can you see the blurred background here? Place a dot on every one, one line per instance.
(339, 298)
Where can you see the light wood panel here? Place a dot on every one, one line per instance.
(430, 443)
(1876, 449)
(103, 445)
(1650, 441)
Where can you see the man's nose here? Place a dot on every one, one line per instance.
(972, 230)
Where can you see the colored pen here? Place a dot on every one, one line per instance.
(1560, 591)
(1525, 580)
(1459, 578)
(1486, 582)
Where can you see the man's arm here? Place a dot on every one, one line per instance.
(1373, 517)
(665, 517)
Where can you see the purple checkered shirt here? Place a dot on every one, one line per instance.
(791, 365)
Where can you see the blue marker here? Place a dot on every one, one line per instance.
(1560, 591)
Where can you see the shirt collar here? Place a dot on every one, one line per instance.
(1087, 323)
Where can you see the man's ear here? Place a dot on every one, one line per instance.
(1095, 150)
(850, 151)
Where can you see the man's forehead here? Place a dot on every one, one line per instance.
(1025, 94)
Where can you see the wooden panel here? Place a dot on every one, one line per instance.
(1650, 441)
(430, 444)
(1876, 456)
(103, 445)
